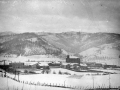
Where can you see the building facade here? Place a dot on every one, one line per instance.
(72, 59)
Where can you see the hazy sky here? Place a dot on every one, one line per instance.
(60, 15)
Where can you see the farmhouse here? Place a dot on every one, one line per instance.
(72, 59)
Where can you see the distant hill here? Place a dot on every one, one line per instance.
(77, 42)
(26, 44)
(6, 33)
(58, 44)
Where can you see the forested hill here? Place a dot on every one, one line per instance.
(26, 44)
(56, 43)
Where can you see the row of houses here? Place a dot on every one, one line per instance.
(72, 62)
(29, 65)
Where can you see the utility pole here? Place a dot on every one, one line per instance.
(64, 83)
(18, 75)
(93, 81)
(4, 68)
(109, 81)
(15, 72)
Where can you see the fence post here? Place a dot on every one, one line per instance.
(118, 87)
(109, 81)
(37, 83)
(23, 85)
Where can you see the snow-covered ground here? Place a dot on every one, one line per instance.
(108, 70)
(114, 61)
(8, 84)
(56, 70)
(14, 59)
(85, 81)
(102, 51)
(102, 54)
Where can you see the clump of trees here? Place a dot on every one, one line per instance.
(54, 72)
(26, 71)
(45, 71)
(59, 72)
(66, 73)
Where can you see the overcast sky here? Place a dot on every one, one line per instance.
(60, 15)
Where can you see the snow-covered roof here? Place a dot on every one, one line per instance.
(73, 57)
(43, 64)
(65, 63)
(83, 64)
(73, 63)
(30, 63)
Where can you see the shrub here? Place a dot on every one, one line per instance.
(54, 72)
(25, 71)
(59, 72)
(32, 72)
(66, 73)
(47, 71)
(43, 71)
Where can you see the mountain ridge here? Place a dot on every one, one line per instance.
(28, 44)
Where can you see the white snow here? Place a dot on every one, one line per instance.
(64, 52)
(89, 52)
(101, 51)
(71, 56)
(8, 84)
(107, 55)
(84, 81)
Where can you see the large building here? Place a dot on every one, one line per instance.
(72, 59)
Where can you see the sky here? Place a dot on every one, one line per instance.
(60, 16)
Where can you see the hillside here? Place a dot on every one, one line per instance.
(60, 44)
(26, 44)
(76, 42)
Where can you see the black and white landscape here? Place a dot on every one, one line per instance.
(59, 45)
(98, 52)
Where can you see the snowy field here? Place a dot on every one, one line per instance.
(8, 84)
(80, 79)
(108, 70)
(76, 80)
(113, 61)
(71, 72)
(97, 81)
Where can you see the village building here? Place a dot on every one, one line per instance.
(72, 59)
(4, 64)
(94, 65)
(42, 65)
(30, 64)
(55, 64)
(16, 65)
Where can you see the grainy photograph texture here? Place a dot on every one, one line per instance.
(59, 44)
